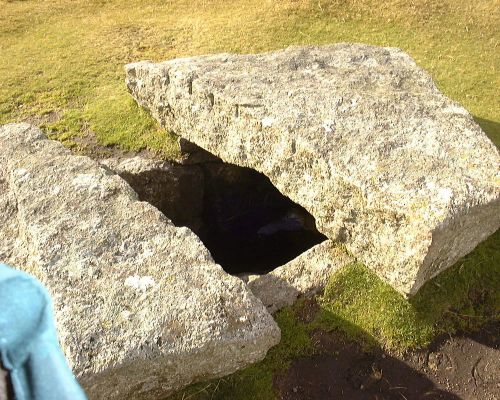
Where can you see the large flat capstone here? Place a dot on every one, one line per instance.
(141, 307)
(358, 135)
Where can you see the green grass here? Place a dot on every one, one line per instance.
(255, 382)
(61, 66)
(65, 58)
(462, 298)
(359, 304)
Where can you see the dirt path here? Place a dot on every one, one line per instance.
(461, 367)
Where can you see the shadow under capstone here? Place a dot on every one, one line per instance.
(248, 225)
(245, 222)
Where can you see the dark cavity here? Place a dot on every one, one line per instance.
(245, 222)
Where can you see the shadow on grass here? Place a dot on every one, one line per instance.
(462, 298)
(376, 322)
(466, 296)
(329, 364)
(491, 128)
(355, 368)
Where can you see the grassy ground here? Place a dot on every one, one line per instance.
(61, 66)
(356, 302)
(61, 61)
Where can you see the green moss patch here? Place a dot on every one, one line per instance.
(358, 303)
(256, 381)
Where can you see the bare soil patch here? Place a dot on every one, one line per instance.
(466, 366)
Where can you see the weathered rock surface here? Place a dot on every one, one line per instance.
(358, 135)
(242, 219)
(305, 275)
(176, 190)
(141, 307)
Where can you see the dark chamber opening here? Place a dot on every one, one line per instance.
(245, 222)
(248, 225)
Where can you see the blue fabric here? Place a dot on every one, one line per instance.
(29, 348)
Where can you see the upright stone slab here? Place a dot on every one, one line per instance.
(141, 307)
(358, 135)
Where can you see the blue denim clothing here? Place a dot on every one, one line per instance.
(29, 347)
